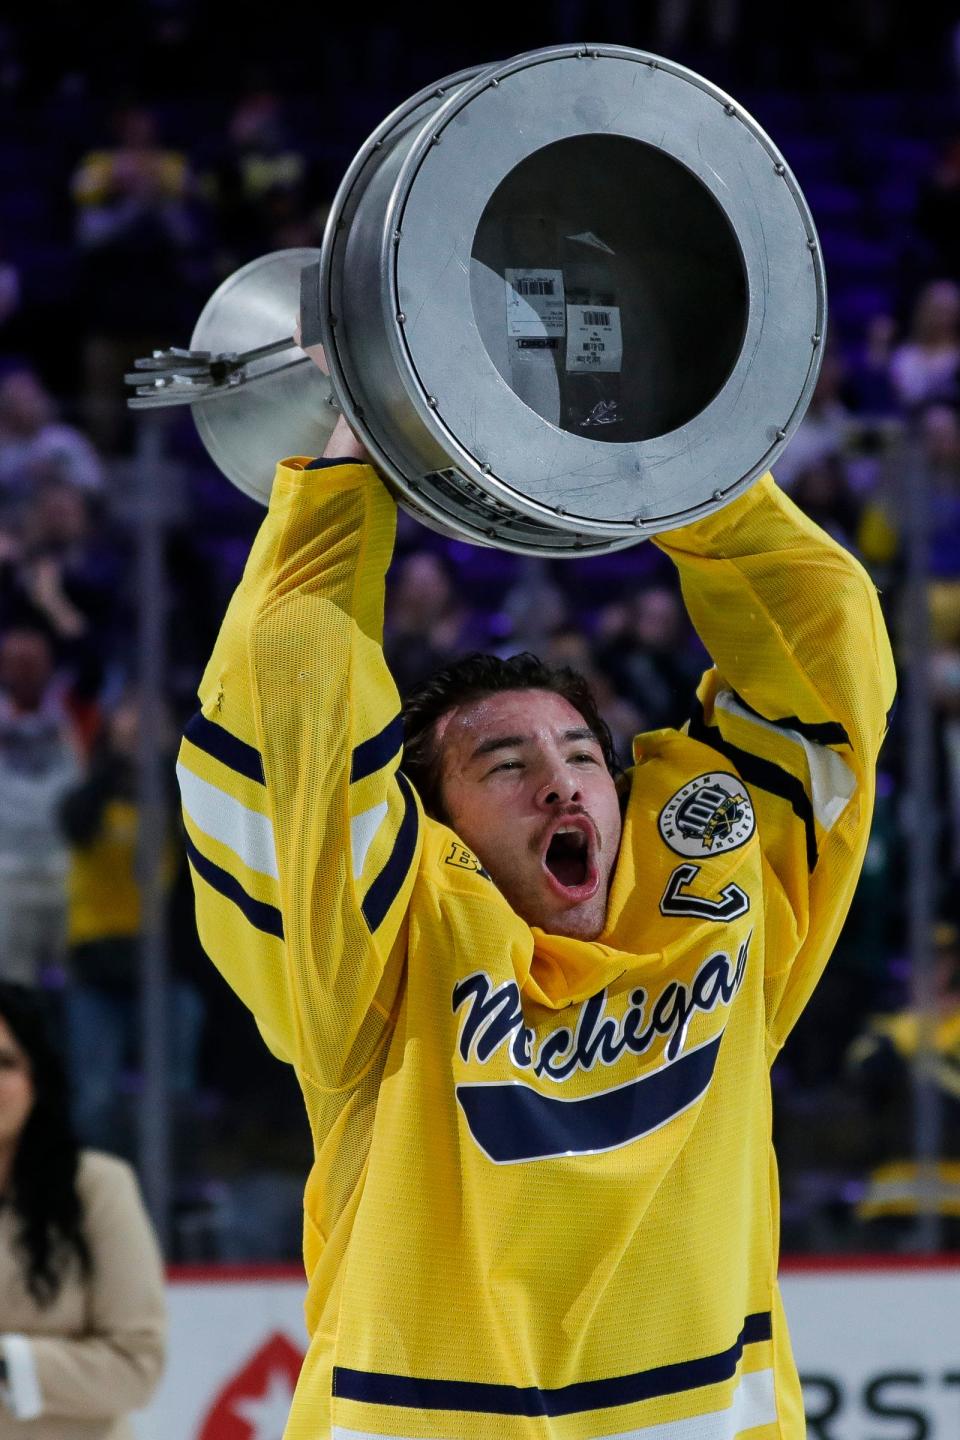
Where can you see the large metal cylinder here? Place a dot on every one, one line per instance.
(571, 300)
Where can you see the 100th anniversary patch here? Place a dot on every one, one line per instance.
(709, 815)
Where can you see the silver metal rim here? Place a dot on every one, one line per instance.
(431, 416)
(555, 532)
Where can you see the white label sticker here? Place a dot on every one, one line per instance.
(534, 303)
(594, 341)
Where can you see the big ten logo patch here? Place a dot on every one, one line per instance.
(708, 815)
(463, 859)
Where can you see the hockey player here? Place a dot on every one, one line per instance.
(533, 1009)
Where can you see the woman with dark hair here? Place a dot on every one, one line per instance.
(82, 1312)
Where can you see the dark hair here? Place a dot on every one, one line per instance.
(472, 678)
(44, 1179)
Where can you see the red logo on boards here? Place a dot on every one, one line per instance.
(254, 1404)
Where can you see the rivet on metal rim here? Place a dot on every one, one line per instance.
(814, 339)
(811, 243)
(401, 318)
(781, 434)
(439, 91)
(780, 168)
(495, 83)
(432, 401)
(484, 469)
(436, 140)
(639, 521)
(397, 236)
(560, 510)
(718, 494)
(729, 110)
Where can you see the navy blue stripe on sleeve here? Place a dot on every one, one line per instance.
(823, 732)
(375, 1388)
(762, 773)
(373, 754)
(325, 463)
(386, 887)
(226, 748)
(261, 915)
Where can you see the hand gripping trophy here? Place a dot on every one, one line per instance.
(566, 303)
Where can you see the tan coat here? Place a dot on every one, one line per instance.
(97, 1352)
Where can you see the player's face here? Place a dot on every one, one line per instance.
(526, 788)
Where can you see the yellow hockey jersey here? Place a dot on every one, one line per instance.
(544, 1199)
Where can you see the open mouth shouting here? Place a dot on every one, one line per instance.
(569, 857)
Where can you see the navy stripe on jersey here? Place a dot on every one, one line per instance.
(512, 1122)
(261, 915)
(762, 773)
(386, 887)
(375, 1388)
(226, 748)
(374, 753)
(824, 732)
(327, 462)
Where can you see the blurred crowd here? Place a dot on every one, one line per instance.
(135, 222)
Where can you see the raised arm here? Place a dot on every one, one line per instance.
(798, 703)
(303, 838)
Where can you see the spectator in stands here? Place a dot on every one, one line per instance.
(869, 381)
(100, 819)
(571, 646)
(82, 1303)
(38, 764)
(136, 229)
(937, 215)
(62, 572)
(534, 608)
(11, 294)
(944, 683)
(883, 521)
(426, 622)
(262, 186)
(822, 491)
(823, 430)
(924, 367)
(880, 1063)
(650, 654)
(36, 447)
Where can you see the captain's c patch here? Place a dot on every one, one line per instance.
(708, 815)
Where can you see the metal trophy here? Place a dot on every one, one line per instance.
(567, 301)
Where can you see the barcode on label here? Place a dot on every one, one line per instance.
(533, 287)
(596, 317)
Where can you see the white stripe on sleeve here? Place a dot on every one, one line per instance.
(219, 815)
(363, 828)
(832, 782)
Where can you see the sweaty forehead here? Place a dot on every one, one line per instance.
(536, 714)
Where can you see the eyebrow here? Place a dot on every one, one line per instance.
(513, 742)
